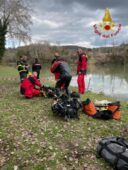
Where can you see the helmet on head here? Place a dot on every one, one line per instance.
(30, 74)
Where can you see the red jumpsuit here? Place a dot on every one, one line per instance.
(28, 87)
(81, 71)
(57, 74)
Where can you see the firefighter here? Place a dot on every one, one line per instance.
(36, 67)
(27, 66)
(81, 70)
(56, 58)
(22, 67)
(28, 86)
(65, 77)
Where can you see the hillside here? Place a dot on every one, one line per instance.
(45, 52)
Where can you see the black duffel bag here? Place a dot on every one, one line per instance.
(115, 151)
(104, 115)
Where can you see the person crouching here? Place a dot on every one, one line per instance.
(56, 73)
(28, 86)
(65, 77)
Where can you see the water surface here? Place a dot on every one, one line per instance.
(112, 80)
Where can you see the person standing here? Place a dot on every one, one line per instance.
(81, 70)
(27, 66)
(36, 67)
(22, 67)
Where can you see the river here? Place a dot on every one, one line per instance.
(112, 80)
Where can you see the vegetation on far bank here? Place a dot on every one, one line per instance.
(45, 52)
(31, 138)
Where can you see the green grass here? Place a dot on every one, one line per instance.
(31, 138)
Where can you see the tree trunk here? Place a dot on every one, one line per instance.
(2, 45)
(3, 32)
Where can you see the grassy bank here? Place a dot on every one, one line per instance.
(32, 139)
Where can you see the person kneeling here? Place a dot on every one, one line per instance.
(28, 86)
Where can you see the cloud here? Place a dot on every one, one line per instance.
(36, 20)
(51, 24)
(81, 43)
(71, 21)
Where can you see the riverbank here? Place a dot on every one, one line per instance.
(32, 138)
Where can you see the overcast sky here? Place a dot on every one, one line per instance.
(71, 21)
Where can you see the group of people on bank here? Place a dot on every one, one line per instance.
(59, 67)
(29, 82)
(24, 68)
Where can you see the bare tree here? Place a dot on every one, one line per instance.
(15, 21)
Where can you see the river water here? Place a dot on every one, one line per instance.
(112, 80)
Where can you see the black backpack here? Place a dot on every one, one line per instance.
(67, 107)
(115, 151)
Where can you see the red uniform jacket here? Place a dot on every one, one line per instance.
(82, 64)
(28, 87)
(53, 69)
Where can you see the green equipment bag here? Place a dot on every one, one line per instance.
(115, 151)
